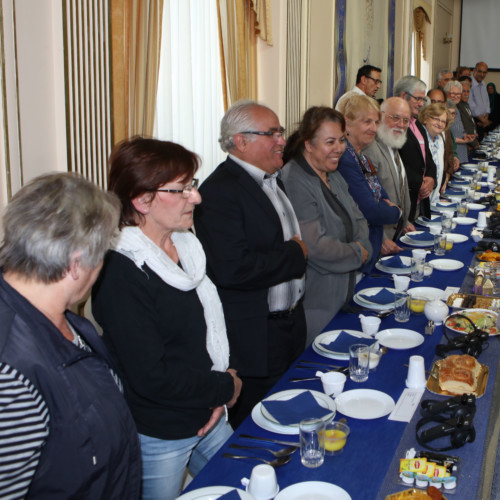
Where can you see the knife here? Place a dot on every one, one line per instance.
(269, 440)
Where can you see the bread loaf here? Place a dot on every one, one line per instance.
(458, 374)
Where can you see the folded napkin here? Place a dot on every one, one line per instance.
(382, 297)
(230, 495)
(454, 191)
(344, 341)
(424, 236)
(459, 182)
(446, 205)
(426, 219)
(395, 262)
(293, 410)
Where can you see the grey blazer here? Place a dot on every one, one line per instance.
(382, 160)
(332, 260)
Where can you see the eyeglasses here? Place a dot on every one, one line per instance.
(455, 94)
(397, 119)
(185, 191)
(436, 101)
(438, 120)
(418, 99)
(376, 80)
(275, 134)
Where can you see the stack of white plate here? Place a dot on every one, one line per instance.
(394, 270)
(327, 337)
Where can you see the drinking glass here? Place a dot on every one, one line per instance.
(401, 307)
(417, 269)
(359, 362)
(312, 442)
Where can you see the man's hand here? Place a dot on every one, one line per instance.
(426, 187)
(389, 247)
(456, 163)
(237, 387)
(408, 228)
(365, 252)
(214, 418)
(301, 243)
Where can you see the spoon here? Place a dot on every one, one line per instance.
(284, 452)
(277, 462)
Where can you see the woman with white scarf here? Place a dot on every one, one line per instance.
(161, 316)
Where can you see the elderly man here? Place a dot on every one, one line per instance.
(384, 155)
(465, 112)
(415, 153)
(254, 252)
(462, 71)
(479, 101)
(368, 83)
(443, 77)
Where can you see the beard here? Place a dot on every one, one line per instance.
(386, 135)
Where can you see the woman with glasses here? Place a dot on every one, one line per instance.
(161, 315)
(362, 115)
(331, 224)
(435, 120)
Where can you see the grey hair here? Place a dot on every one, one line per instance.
(441, 72)
(450, 104)
(237, 119)
(453, 83)
(408, 84)
(53, 218)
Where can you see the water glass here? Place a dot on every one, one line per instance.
(462, 208)
(439, 244)
(417, 269)
(446, 222)
(470, 194)
(312, 442)
(401, 307)
(359, 362)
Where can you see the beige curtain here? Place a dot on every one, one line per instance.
(239, 23)
(136, 38)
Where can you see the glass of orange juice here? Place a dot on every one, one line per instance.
(336, 434)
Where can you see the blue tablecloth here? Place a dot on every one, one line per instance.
(368, 463)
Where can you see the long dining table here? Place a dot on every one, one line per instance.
(368, 467)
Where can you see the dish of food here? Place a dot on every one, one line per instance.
(432, 493)
(489, 256)
(471, 301)
(482, 319)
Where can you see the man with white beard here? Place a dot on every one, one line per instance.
(384, 155)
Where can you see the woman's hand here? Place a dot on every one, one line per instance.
(237, 387)
(214, 418)
(365, 252)
(389, 202)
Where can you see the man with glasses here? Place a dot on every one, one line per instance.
(255, 254)
(479, 101)
(368, 83)
(384, 155)
(443, 77)
(415, 153)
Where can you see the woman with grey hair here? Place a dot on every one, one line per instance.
(61, 399)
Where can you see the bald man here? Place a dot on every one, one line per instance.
(479, 101)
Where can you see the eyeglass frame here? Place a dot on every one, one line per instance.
(418, 99)
(376, 80)
(275, 134)
(438, 120)
(397, 119)
(185, 191)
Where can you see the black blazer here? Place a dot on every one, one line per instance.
(243, 240)
(413, 161)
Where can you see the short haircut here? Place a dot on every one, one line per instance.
(437, 90)
(52, 218)
(466, 79)
(450, 104)
(141, 165)
(436, 109)
(451, 84)
(460, 69)
(366, 71)
(358, 105)
(238, 118)
(408, 84)
(442, 72)
(311, 121)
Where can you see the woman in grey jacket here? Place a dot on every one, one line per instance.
(334, 229)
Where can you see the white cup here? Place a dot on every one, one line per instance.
(419, 253)
(401, 283)
(435, 229)
(263, 484)
(481, 219)
(416, 373)
(333, 382)
(369, 324)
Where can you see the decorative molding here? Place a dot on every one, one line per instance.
(293, 64)
(340, 25)
(391, 23)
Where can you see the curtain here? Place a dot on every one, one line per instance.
(239, 23)
(136, 37)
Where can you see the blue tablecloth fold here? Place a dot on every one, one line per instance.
(344, 341)
(424, 236)
(231, 495)
(382, 297)
(395, 262)
(293, 410)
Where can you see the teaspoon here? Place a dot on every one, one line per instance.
(284, 452)
(277, 462)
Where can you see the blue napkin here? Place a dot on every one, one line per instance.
(382, 297)
(459, 182)
(344, 341)
(231, 495)
(454, 191)
(294, 410)
(395, 262)
(425, 236)
(449, 205)
(426, 219)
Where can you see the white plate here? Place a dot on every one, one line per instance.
(365, 404)
(428, 292)
(432, 222)
(372, 305)
(414, 243)
(321, 398)
(469, 166)
(267, 425)
(330, 336)
(399, 338)
(476, 206)
(465, 221)
(213, 492)
(455, 196)
(313, 490)
(395, 270)
(329, 355)
(446, 264)
(456, 237)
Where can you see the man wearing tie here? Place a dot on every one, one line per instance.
(255, 254)
(384, 155)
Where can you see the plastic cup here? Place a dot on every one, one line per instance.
(417, 269)
(401, 307)
(263, 484)
(419, 253)
(336, 434)
(312, 442)
(416, 373)
(481, 219)
(370, 324)
(401, 283)
(359, 362)
(333, 383)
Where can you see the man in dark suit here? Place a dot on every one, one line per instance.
(254, 252)
(415, 153)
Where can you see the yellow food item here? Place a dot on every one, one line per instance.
(334, 440)
(449, 245)
(417, 305)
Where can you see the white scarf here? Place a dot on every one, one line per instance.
(135, 245)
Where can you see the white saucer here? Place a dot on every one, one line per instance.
(446, 264)
(365, 404)
(313, 490)
(399, 338)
